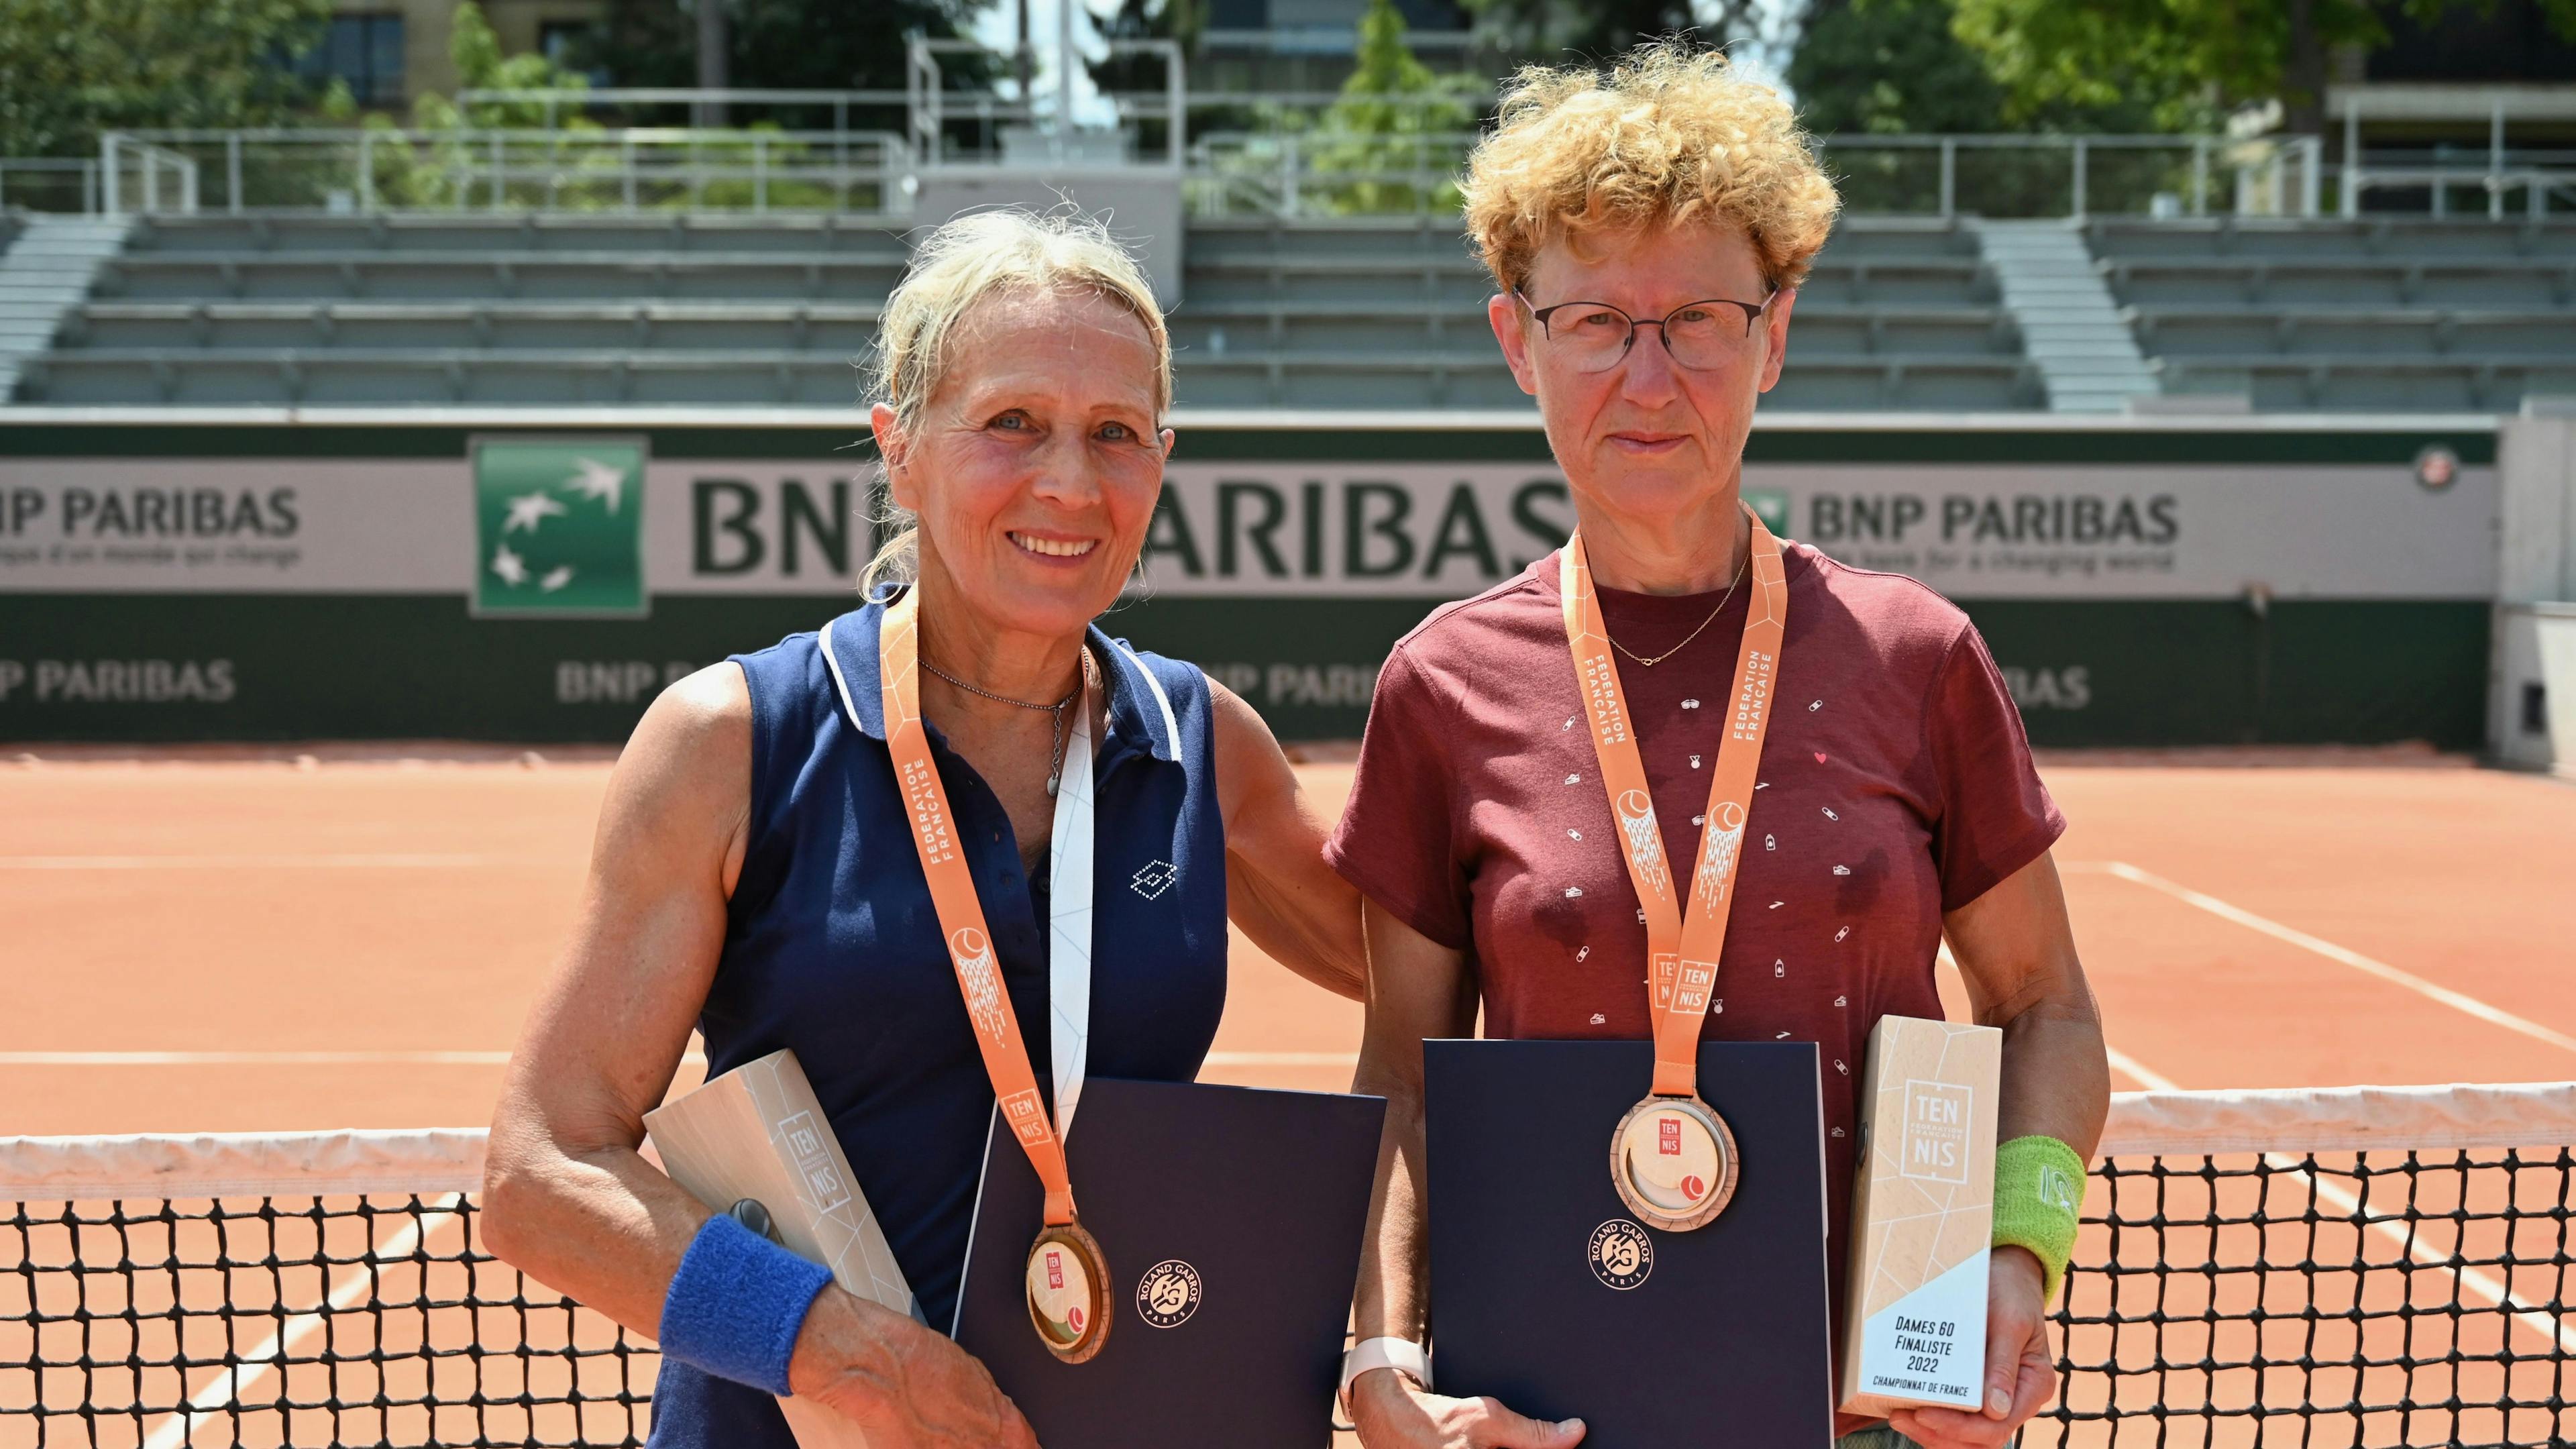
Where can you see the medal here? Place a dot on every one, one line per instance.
(1067, 1278)
(1672, 1158)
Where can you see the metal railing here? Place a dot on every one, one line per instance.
(1323, 172)
(46, 183)
(927, 98)
(161, 179)
(1284, 172)
(377, 169)
(2544, 189)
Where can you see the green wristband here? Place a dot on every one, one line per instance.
(2039, 1186)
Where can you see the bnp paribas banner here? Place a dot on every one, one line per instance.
(524, 584)
(594, 526)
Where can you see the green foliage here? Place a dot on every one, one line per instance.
(787, 44)
(2180, 58)
(440, 170)
(1394, 116)
(1550, 29)
(70, 69)
(1887, 66)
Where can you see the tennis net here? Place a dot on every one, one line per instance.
(2363, 1266)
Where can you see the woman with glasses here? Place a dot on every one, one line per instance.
(1647, 232)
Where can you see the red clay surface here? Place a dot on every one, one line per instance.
(249, 944)
(375, 911)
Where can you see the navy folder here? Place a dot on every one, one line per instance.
(1537, 1298)
(1231, 1219)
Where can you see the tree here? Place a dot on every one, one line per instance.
(442, 170)
(786, 44)
(76, 68)
(1885, 67)
(1557, 30)
(2176, 54)
(1394, 115)
(1888, 66)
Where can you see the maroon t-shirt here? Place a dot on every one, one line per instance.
(1896, 785)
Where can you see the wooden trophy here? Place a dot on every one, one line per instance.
(757, 1133)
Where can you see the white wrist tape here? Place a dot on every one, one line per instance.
(1400, 1354)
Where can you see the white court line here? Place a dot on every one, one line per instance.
(271, 1059)
(227, 1388)
(1283, 1059)
(2485, 1285)
(2456, 1000)
(324, 861)
(483, 1059)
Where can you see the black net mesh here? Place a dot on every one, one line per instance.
(2403, 1297)
(271, 1321)
(2407, 1297)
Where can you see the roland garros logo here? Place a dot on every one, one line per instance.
(974, 957)
(1168, 1293)
(1621, 1254)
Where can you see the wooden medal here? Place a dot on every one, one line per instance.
(1066, 1281)
(1068, 1292)
(1672, 1160)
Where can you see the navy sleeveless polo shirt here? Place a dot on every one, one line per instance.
(832, 947)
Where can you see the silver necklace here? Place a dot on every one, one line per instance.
(1645, 663)
(1055, 767)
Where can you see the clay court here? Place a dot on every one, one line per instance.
(274, 942)
(277, 942)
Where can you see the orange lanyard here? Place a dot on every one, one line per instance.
(961, 914)
(1682, 945)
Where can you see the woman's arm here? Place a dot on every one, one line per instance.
(1278, 888)
(566, 1196)
(1418, 988)
(2016, 952)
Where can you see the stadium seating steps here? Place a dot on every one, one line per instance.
(1899, 313)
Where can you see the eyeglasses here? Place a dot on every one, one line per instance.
(1594, 336)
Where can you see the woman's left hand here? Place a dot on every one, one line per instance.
(2020, 1375)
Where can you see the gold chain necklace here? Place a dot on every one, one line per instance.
(1644, 663)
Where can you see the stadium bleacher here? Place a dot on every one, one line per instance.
(531, 309)
(538, 310)
(2347, 315)
(733, 310)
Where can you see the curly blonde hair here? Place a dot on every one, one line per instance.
(1670, 137)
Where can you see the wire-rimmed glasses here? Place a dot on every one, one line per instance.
(1594, 336)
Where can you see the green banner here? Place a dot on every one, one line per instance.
(2141, 582)
(247, 667)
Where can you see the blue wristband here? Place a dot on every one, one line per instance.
(737, 1304)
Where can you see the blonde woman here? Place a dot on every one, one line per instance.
(1647, 231)
(756, 876)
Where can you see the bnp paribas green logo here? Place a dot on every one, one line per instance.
(1771, 505)
(559, 526)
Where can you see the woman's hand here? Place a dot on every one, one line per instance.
(905, 1386)
(1391, 1411)
(2020, 1375)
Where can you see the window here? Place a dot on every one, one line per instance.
(363, 51)
(572, 45)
